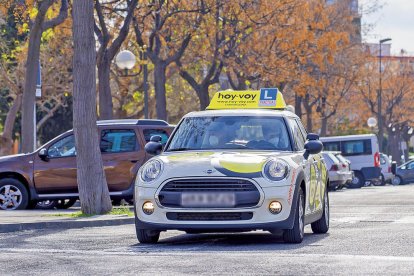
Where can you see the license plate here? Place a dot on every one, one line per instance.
(208, 199)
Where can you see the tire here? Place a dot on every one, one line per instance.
(321, 226)
(46, 204)
(382, 182)
(13, 195)
(357, 182)
(66, 203)
(146, 236)
(296, 234)
(398, 180)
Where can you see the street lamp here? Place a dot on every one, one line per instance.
(379, 96)
(372, 122)
(125, 60)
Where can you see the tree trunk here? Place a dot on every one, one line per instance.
(29, 95)
(324, 125)
(309, 113)
(204, 97)
(93, 189)
(160, 80)
(6, 139)
(105, 96)
(298, 106)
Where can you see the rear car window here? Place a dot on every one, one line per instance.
(118, 140)
(341, 158)
(160, 132)
(357, 147)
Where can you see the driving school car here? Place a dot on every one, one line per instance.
(244, 164)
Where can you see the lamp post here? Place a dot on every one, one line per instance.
(125, 60)
(379, 96)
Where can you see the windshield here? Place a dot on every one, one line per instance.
(231, 132)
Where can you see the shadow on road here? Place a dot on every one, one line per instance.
(227, 242)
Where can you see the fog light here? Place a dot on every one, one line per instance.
(148, 207)
(275, 207)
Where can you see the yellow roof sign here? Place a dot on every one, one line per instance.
(268, 98)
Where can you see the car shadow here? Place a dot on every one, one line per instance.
(250, 241)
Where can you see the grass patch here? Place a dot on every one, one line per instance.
(124, 210)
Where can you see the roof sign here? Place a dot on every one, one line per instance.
(265, 98)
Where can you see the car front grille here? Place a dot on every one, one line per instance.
(217, 216)
(246, 194)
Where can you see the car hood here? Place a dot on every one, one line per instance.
(222, 163)
(12, 157)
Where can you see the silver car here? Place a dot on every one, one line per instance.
(339, 172)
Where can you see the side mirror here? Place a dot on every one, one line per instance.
(154, 147)
(394, 167)
(43, 154)
(313, 147)
(312, 136)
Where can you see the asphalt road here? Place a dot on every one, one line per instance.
(371, 233)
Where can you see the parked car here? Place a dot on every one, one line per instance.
(386, 175)
(404, 173)
(346, 167)
(338, 170)
(49, 173)
(363, 152)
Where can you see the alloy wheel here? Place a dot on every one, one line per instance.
(10, 197)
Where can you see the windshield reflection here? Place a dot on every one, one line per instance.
(231, 132)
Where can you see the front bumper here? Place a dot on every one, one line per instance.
(261, 217)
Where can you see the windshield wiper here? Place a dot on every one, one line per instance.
(180, 149)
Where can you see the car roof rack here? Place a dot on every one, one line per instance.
(139, 122)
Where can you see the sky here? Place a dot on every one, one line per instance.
(395, 20)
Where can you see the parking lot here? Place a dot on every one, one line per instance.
(371, 233)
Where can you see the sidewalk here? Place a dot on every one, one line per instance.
(11, 221)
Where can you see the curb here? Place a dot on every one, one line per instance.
(63, 225)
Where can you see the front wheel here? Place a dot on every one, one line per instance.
(321, 226)
(13, 195)
(295, 235)
(358, 181)
(146, 235)
(397, 180)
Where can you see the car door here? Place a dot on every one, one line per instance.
(311, 167)
(57, 173)
(122, 155)
(410, 171)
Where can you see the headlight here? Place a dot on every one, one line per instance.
(276, 169)
(151, 170)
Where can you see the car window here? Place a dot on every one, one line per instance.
(410, 166)
(331, 146)
(65, 147)
(302, 128)
(231, 132)
(356, 147)
(297, 133)
(382, 160)
(341, 158)
(118, 140)
(160, 132)
(333, 158)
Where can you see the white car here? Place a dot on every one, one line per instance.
(339, 172)
(386, 175)
(363, 152)
(232, 169)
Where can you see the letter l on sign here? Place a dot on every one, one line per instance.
(266, 97)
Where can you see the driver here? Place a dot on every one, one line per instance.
(217, 136)
(272, 134)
